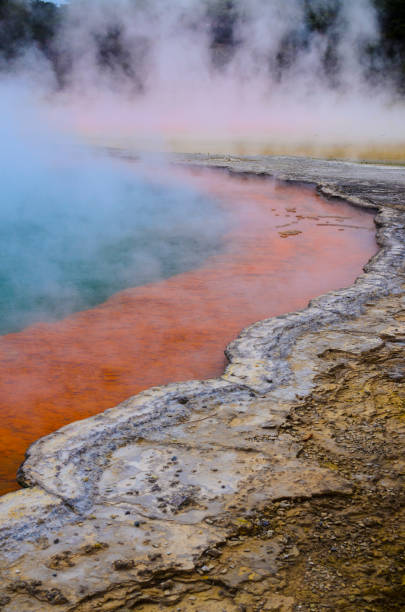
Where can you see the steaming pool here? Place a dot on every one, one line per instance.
(237, 249)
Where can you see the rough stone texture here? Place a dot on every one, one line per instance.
(276, 487)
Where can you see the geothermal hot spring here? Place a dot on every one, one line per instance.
(116, 277)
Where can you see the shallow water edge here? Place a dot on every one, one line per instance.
(54, 373)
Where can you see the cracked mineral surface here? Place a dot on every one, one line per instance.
(274, 487)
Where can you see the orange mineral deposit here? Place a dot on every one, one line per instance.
(285, 245)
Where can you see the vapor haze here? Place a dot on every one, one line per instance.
(77, 226)
(158, 74)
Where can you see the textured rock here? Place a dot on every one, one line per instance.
(187, 496)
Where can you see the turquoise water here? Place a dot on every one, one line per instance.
(75, 228)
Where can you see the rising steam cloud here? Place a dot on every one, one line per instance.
(280, 75)
(162, 74)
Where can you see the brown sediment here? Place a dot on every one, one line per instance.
(176, 329)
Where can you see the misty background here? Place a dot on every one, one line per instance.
(289, 29)
(288, 75)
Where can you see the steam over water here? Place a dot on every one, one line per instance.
(76, 227)
(245, 76)
(193, 75)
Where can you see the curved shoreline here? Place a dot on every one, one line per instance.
(239, 423)
(55, 373)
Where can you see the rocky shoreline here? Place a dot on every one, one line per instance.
(274, 487)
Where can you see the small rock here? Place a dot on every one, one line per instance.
(4, 600)
(121, 564)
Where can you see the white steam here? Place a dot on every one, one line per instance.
(77, 226)
(168, 93)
